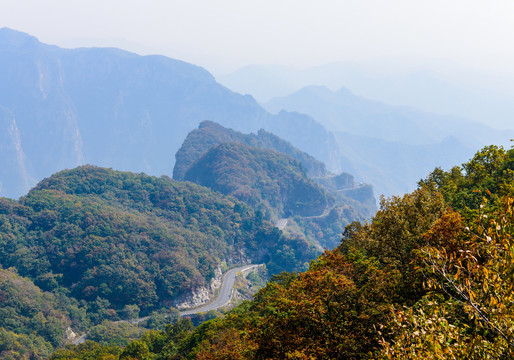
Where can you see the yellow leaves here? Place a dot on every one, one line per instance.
(424, 334)
(479, 275)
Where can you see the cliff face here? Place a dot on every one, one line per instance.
(13, 169)
(201, 295)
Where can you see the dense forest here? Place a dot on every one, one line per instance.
(94, 243)
(430, 276)
(265, 179)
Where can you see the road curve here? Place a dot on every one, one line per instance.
(80, 340)
(225, 292)
(227, 285)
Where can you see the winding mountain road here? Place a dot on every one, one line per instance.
(227, 286)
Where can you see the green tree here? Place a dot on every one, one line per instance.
(136, 350)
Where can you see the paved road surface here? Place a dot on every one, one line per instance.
(352, 188)
(80, 340)
(225, 292)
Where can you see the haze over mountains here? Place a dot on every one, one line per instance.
(93, 257)
(343, 111)
(436, 87)
(61, 108)
(280, 181)
(109, 242)
(210, 134)
(390, 146)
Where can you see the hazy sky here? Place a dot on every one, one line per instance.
(225, 34)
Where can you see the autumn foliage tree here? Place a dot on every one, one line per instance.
(473, 274)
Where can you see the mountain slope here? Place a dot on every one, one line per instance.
(424, 269)
(437, 88)
(390, 147)
(133, 239)
(32, 322)
(342, 110)
(14, 172)
(259, 177)
(278, 186)
(396, 167)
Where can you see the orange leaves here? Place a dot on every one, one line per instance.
(446, 232)
(322, 314)
(228, 344)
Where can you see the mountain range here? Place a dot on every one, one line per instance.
(391, 147)
(132, 238)
(60, 108)
(209, 134)
(87, 249)
(435, 87)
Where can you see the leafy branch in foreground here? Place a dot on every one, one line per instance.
(473, 269)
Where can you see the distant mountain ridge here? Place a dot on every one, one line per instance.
(117, 109)
(343, 111)
(209, 134)
(435, 87)
(389, 146)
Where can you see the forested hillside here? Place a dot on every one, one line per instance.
(130, 238)
(390, 146)
(32, 321)
(277, 179)
(209, 134)
(104, 241)
(265, 179)
(429, 277)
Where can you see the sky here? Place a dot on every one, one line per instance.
(222, 35)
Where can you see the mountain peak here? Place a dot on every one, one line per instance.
(345, 92)
(209, 125)
(16, 38)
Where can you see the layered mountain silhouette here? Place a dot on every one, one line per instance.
(343, 111)
(389, 146)
(436, 87)
(62, 108)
